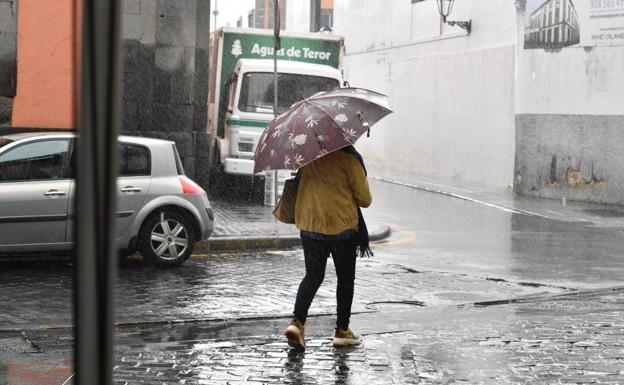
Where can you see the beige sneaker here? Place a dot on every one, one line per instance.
(346, 337)
(295, 334)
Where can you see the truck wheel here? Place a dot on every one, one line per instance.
(216, 176)
(167, 238)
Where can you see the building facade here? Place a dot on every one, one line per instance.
(262, 16)
(542, 117)
(452, 93)
(554, 24)
(165, 64)
(8, 59)
(310, 15)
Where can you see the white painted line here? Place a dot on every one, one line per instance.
(458, 196)
(67, 380)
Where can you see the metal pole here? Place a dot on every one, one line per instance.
(216, 13)
(95, 204)
(275, 48)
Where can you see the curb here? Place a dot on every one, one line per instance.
(377, 232)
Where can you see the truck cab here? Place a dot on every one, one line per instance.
(248, 103)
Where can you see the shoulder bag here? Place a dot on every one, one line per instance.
(285, 209)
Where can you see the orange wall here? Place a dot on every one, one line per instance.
(45, 64)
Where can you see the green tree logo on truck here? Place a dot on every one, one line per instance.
(237, 49)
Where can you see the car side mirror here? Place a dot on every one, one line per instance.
(346, 84)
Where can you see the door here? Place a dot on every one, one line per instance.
(34, 195)
(133, 184)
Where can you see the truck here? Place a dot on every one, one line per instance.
(240, 95)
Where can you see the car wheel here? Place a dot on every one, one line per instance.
(167, 238)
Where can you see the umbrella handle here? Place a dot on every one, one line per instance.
(364, 123)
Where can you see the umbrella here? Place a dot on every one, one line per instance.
(318, 125)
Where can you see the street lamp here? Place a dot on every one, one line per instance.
(215, 13)
(445, 7)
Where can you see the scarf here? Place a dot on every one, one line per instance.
(363, 243)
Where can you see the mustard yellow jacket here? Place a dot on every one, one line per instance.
(330, 190)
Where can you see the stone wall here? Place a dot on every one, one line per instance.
(165, 64)
(8, 57)
(578, 157)
(569, 124)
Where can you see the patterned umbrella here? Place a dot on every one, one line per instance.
(317, 126)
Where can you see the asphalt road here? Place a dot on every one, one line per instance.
(439, 233)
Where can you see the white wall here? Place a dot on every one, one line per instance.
(453, 95)
(572, 80)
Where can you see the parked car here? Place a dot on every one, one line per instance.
(160, 212)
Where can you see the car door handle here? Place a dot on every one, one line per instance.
(54, 193)
(131, 189)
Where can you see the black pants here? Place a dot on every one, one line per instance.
(316, 253)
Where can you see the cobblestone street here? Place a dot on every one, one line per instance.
(552, 336)
(458, 294)
(231, 287)
(566, 341)
(576, 339)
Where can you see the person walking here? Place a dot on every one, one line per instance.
(327, 212)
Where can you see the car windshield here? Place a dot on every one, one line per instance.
(257, 90)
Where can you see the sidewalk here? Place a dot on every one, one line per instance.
(576, 340)
(505, 199)
(242, 226)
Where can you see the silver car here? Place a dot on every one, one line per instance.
(160, 212)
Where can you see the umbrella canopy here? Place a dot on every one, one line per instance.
(317, 126)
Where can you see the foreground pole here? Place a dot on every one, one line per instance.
(98, 116)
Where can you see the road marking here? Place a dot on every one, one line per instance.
(67, 380)
(458, 196)
(408, 236)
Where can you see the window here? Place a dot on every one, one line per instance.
(321, 14)
(569, 11)
(257, 90)
(134, 160)
(178, 160)
(46, 159)
(327, 18)
(250, 19)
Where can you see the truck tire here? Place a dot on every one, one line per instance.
(216, 176)
(167, 237)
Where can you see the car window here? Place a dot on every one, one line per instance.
(134, 160)
(179, 166)
(45, 159)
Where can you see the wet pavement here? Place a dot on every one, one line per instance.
(232, 287)
(575, 340)
(242, 218)
(544, 315)
(454, 235)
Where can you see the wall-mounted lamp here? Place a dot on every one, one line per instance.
(445, 7)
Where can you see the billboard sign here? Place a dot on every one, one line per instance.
(602, 21)
(565, 23)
